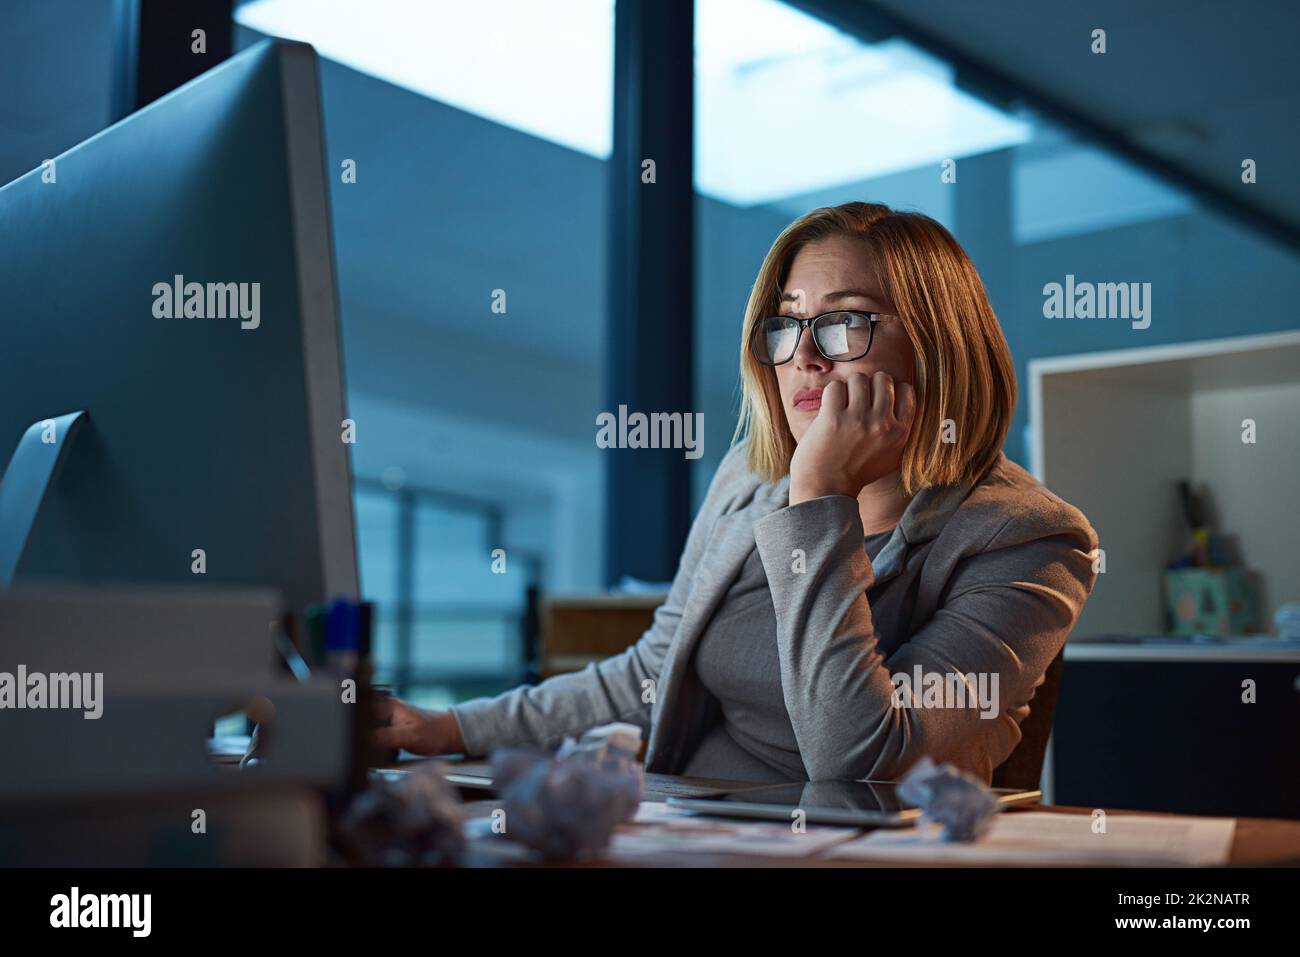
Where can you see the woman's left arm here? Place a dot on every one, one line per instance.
(1007, 612)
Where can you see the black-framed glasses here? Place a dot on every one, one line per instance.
(841, 336)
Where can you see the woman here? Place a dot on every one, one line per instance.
(867, 532)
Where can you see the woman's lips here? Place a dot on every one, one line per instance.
(808, 400)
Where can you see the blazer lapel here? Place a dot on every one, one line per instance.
(922, 520)
(730, 543)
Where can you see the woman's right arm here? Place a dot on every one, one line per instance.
(619, 688)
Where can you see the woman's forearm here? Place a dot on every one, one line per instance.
(836, 692)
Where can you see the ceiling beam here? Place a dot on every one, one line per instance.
(871, 23)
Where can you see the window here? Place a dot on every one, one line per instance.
(470, 249)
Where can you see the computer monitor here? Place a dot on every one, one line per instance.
(172, 280)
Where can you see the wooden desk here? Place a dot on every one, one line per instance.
(1256, 841)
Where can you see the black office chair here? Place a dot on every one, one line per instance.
(1024, 766)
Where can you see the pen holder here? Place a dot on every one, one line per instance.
(1209, 601)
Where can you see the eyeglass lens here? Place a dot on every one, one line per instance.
(839, 335)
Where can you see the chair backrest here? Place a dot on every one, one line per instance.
(1024, 766)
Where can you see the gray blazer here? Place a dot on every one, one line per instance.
(977, 579)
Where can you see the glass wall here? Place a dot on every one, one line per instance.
(469, 146)
(451, 602)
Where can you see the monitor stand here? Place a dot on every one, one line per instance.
(31, 474)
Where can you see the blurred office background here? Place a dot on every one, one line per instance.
(483, 134)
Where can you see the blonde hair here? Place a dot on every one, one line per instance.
(964, 370)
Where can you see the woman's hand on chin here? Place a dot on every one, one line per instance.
(857, 437)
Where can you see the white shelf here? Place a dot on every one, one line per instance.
(1115, 651)
(1113, 433)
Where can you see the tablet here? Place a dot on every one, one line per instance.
(862, 803)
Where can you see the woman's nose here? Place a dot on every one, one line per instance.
(806, 355)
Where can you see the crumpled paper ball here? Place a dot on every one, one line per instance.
(567, 805)
(414, 821)
(949, 796)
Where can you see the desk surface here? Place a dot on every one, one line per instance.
(1256, 841)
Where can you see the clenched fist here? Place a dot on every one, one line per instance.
(857, 437)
